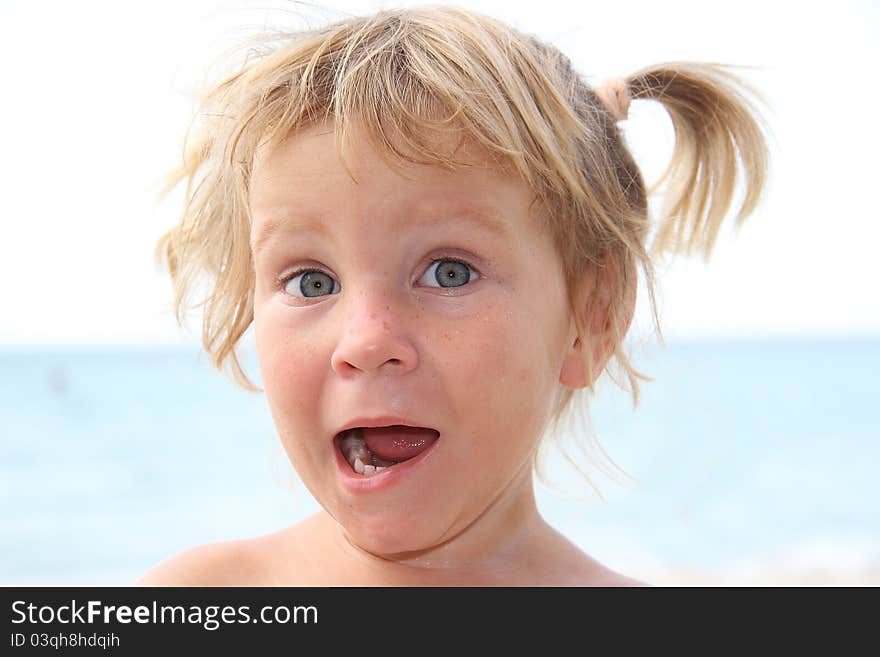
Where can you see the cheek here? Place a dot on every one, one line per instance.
(290, 367)
(498, 366)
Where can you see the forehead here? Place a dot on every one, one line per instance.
(315, 153)
(307, 177)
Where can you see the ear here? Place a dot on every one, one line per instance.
(573, 373)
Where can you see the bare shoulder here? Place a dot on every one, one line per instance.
(611, 578)
(590, 572)
(576, 568)
(228, 563)
(260, 561)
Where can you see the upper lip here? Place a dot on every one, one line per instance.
(381, 421)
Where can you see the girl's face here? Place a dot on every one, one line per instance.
(431, 300)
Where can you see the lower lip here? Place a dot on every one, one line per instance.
(355, 483)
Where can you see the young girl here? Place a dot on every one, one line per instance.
(434, 226)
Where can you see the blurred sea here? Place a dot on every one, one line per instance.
(752, 463)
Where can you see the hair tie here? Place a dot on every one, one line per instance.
(614, 95)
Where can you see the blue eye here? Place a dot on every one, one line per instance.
(312, 283)
(443, 272)
(449, 273)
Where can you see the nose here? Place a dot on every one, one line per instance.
(374, 337)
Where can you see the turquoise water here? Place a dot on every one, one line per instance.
(740, 452)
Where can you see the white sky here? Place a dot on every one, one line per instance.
(95, 102)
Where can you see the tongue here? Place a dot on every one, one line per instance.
(398, 443)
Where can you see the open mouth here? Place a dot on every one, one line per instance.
(370, 450)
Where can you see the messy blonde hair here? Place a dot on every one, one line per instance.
(411, 74)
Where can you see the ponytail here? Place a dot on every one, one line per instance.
(717, 133)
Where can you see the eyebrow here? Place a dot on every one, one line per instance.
(486, 219)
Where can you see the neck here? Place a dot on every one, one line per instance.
(503, 543)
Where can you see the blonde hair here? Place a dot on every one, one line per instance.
(409, 73)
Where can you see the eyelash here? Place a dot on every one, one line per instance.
(282, 280)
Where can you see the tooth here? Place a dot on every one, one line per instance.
(369, 469)
(380, 467)
(351, 440)
(354, 447)
(359, 466)
(358, 451)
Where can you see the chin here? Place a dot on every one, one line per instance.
(386, 535)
